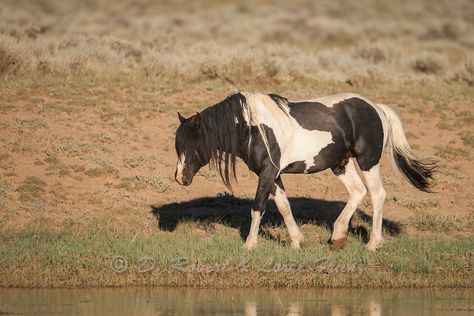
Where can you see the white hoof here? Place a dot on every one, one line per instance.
(295, 242)
(249, 245)
(374, 244)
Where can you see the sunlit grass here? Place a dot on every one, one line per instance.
(191, 251)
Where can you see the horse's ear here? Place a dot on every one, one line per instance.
(181, 118)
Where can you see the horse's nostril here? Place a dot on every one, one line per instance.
(186, 181)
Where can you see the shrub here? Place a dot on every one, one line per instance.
(14, 57)
(375, 53)
(429, 63)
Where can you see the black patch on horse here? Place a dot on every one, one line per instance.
(355, 127)
(295, 167)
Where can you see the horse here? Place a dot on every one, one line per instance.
(274, 135)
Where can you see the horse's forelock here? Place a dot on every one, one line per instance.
(185, 142)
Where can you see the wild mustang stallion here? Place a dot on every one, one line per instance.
(274, 135)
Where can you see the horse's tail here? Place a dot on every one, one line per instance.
(418, 171)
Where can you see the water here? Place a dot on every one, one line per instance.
(184, 301)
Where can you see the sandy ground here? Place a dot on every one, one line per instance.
(104, 150)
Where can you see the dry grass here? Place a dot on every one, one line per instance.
(15, 58)
(31, 189)
(88, 99)
(188, 42)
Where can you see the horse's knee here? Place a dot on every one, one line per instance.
(282, 202)
(360, 192)
(379, 195)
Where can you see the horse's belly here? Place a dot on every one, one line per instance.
(299, 150)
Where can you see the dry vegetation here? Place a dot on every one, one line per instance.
(88, 99)
(185, 42)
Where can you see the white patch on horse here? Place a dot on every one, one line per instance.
(180, 168)
(332, 99)
(302, 144)
(295, 142)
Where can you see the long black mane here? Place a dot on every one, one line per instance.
(222, 128)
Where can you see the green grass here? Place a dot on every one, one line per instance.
(439, 223)
(199, 255)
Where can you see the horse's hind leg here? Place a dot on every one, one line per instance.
(377, 195)
(283, 205)
(356, 189)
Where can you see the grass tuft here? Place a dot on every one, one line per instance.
(15, 58)
(31, 189)
(437, 223)
(100, 171)
(429, 63)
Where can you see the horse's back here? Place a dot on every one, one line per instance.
(354, 123)
(331, 100)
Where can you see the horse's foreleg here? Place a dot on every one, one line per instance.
(283, 205)
(356, 189)
(265, 183)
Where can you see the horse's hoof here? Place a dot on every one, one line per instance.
(249, 245)
(338, 243)
(373, 245)
(295, 244)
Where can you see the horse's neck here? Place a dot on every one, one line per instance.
(242, 145)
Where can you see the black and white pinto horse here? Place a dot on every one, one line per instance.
(274, 135)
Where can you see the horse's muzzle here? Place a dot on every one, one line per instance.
(182, 179)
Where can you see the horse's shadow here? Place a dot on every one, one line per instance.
(235, 212)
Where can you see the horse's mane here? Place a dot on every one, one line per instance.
(258, 107)
(225, 121)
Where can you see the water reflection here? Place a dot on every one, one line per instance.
(183, 301)
(293, 309)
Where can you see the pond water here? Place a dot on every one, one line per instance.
(185, 301)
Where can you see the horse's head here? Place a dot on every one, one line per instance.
(190, 147)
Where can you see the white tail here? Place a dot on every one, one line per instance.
(418, 172)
